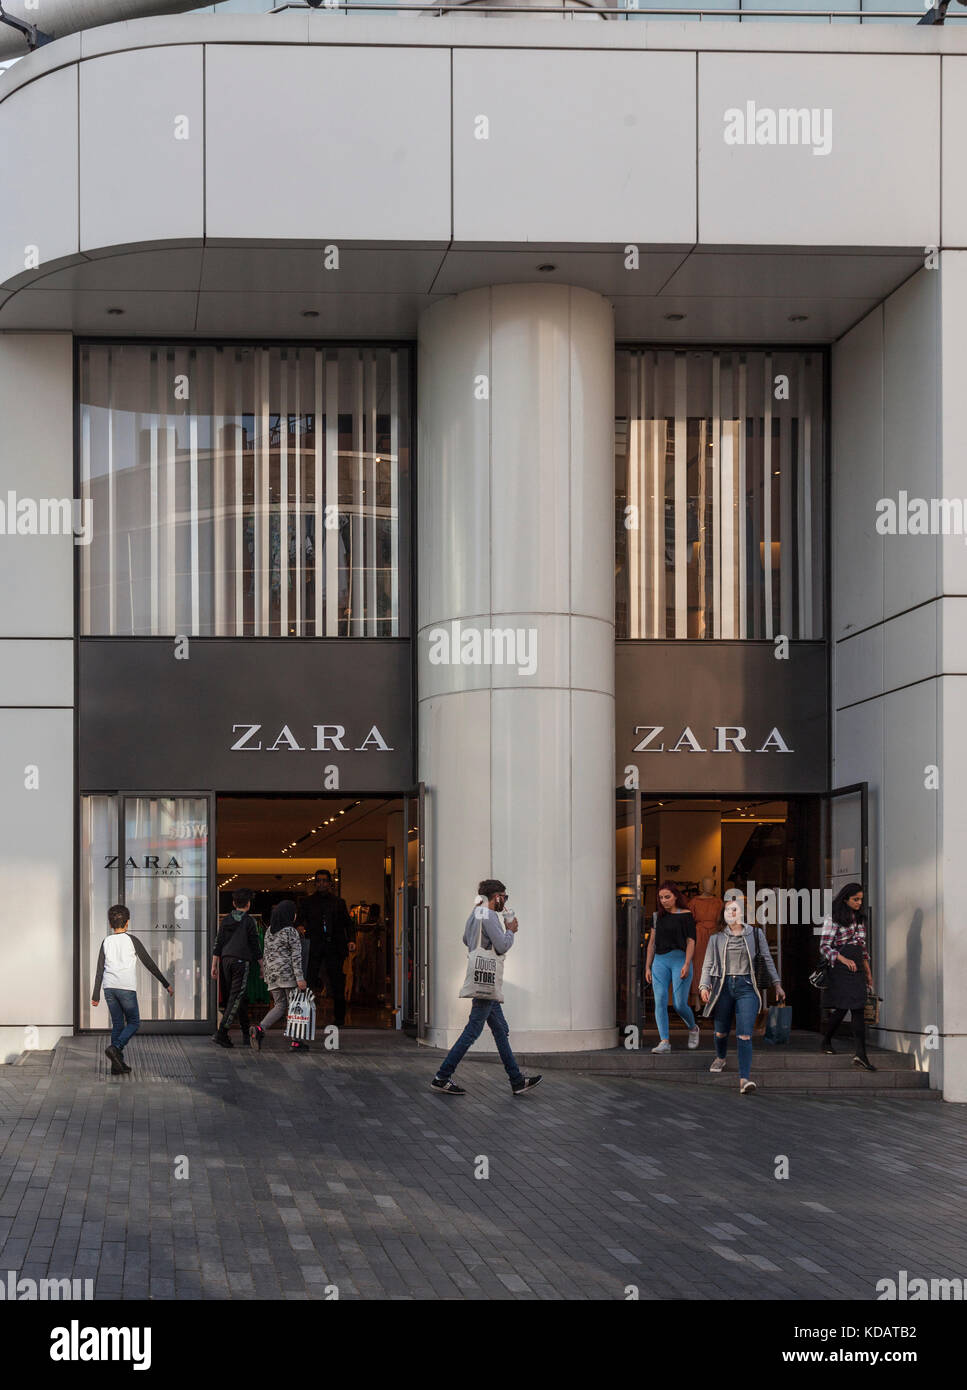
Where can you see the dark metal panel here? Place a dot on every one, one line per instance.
(698, 694)
(146, 719)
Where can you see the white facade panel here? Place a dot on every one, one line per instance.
(38, 174)
(808, 193)
(347, 143)
(36, 464)
(573, 147)
(142, 147)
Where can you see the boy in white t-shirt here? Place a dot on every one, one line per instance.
(117, 966)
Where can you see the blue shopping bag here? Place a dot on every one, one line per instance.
(778, 1024)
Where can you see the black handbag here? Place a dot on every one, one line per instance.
(821, 977)
(761, 975)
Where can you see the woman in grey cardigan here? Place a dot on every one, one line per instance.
(281, 965)
(728, 988)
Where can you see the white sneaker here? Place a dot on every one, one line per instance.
(745, 1087)
(718, 1065)
(694, 1036)
(663, 1046)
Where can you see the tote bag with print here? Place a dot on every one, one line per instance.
(485, 969)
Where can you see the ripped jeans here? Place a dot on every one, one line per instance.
(737, 1000)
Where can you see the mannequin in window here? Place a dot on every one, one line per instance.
(706, 908)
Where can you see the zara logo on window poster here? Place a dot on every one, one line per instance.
(728, 738)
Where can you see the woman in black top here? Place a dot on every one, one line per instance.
(669, 962)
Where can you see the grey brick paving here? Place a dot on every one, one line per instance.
(344, 1169)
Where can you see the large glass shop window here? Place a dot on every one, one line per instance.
(150, 853)
(720, 506)
(242, 491)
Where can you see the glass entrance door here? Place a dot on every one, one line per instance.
(628, 944)
(414, 946)
(846, 844)
(151, 853)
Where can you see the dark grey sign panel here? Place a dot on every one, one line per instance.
(713, 717)
(264, 714)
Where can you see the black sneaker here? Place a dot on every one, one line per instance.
(222, 1038)
(528, 1084)
(863, 1062)
(449, 1088)
(828, 1048)
(257, 1032)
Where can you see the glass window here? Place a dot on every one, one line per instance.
(719, 506)
(150, 853)
(242, 491)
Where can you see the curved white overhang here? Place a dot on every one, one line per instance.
(193, 171)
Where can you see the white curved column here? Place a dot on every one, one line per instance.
(516, 532)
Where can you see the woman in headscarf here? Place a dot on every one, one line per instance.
(281, 965)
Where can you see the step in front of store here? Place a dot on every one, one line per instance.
(798, 1065)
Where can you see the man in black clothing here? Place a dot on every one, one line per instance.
(332, 935)
(236, 949)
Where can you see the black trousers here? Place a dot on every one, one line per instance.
(328, 965)
(858, 1025)
(234, 978)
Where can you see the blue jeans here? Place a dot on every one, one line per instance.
(483, 1011)
(666, 970)
(738, 999)
(125, 1020)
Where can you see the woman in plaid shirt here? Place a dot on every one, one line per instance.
(843, 947)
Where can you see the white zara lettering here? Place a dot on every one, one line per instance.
(330, 738)
(727, 738)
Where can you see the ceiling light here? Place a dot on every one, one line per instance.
(546, 269)
(674, 318)
(798, 318)
(115, 311)
(310, 313)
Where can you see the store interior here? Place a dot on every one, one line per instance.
(273, 846)
(711, 847)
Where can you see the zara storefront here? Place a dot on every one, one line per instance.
(459, 506)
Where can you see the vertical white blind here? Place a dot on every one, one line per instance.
(719, 462)
(245, 491)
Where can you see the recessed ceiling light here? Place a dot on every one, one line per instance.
(674, 318)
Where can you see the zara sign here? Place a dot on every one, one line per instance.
(228, 717)
(722, 717)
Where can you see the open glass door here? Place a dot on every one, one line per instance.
(628, 978)
(846, 845)
(415, 940)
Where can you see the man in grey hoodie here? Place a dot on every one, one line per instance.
(498, 937)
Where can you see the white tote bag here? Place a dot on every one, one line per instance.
(300, 1023)
(485, 969)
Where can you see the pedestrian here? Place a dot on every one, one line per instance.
(671, 948)
(842, 946)
(729, 989)
(332, 936)
(236, 950)
(497, 936)
(281, 968)
(116, 973)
